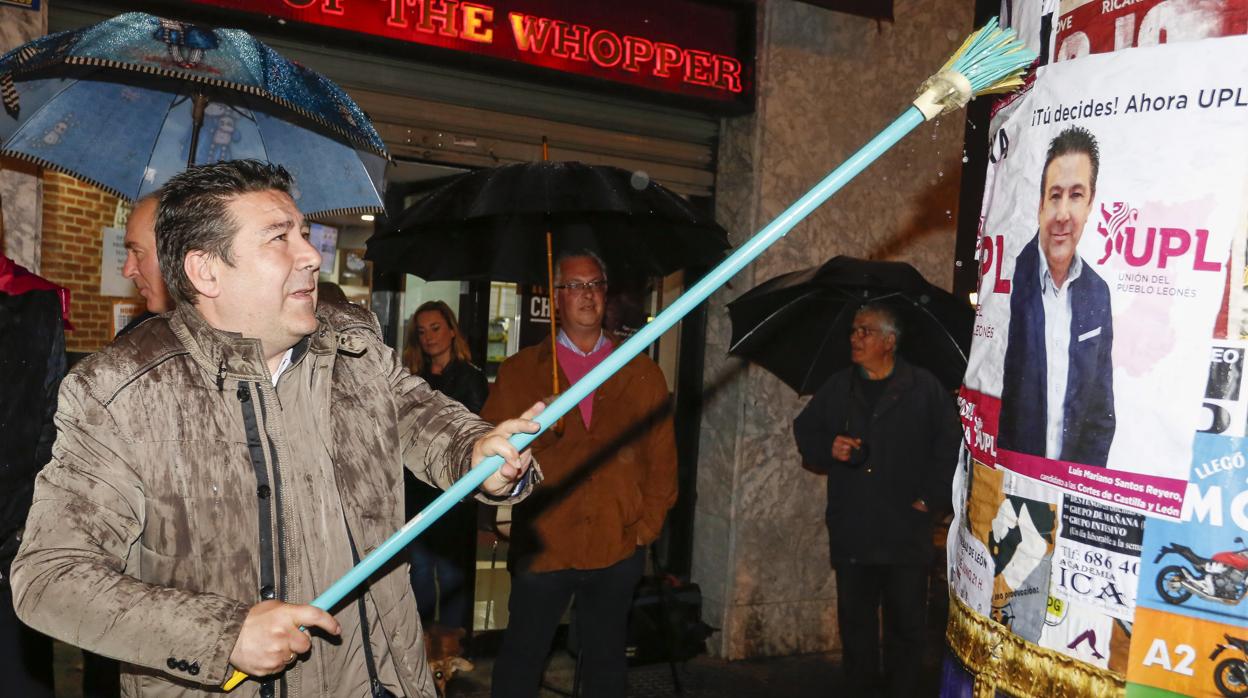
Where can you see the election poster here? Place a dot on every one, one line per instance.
(1104, 268)
(1104, 406)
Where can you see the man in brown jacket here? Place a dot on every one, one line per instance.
(218, 467)
(610, 477)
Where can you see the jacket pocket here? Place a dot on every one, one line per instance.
(204, 502)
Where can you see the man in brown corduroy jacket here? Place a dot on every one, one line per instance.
(610, 477)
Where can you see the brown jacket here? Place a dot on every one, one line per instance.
(143, 542)
(604, 489)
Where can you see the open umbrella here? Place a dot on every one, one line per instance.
(797, 325)
(509, 223)
(492, 224)
(129, 102)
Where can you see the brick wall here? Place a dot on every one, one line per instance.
(74, 215)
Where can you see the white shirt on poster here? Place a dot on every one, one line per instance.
(1056, 352)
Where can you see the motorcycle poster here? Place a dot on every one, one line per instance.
(1194, 580)
(1173, 655)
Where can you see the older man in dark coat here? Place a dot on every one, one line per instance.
(886, 434)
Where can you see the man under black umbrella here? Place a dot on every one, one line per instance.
(886, 433)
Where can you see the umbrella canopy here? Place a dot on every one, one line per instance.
(797, 325)
(127, 103)
(492, 224)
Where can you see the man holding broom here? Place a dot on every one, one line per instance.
(218, 466)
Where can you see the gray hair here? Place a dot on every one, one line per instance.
(889, 322)
(573, 254)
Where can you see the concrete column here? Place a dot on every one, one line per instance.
(826, 83)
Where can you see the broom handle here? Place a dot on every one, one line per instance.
(614, 361)
(629, 349)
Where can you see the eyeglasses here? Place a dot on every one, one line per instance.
(861, 331)
(578, 286)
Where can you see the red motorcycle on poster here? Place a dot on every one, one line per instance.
(1222, 577)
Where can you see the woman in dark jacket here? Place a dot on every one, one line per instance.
(443, 556)
(437, 352)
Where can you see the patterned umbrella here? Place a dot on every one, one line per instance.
(129, 102)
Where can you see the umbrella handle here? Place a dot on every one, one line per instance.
(200, 105)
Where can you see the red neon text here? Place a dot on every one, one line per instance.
(607, 49)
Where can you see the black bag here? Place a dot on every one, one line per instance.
(665, 623)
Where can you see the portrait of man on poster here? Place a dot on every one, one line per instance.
(1057, 394)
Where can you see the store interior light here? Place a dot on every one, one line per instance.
(973, 297)
(367, 217)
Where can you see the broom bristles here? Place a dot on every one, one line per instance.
(991, 59)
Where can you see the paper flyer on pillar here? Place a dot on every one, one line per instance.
(1085, 27)
(1097, 558)
(1112, 277)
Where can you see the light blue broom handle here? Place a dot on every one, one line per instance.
(566, 402)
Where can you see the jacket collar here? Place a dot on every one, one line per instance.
(231, 356)
(544, 356)
(899, 383)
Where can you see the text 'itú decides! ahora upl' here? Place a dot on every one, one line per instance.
(1210, 98)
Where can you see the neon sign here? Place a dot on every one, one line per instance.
(685, 47)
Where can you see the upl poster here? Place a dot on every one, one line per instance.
(1102, 496)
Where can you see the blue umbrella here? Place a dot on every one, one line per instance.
(127, 103)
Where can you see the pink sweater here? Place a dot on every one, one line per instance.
(575, 366)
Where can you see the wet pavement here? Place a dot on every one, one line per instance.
(802, 676)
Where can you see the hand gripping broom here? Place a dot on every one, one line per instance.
(990, 61)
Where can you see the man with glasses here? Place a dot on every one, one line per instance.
(610, 477)
(886, 433)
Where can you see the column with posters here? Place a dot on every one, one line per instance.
(1102, 393)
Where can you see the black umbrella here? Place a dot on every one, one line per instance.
(797, 325)
(492, 224)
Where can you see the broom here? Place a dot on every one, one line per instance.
(990, 61)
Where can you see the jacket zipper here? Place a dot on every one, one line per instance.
(278, 510)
